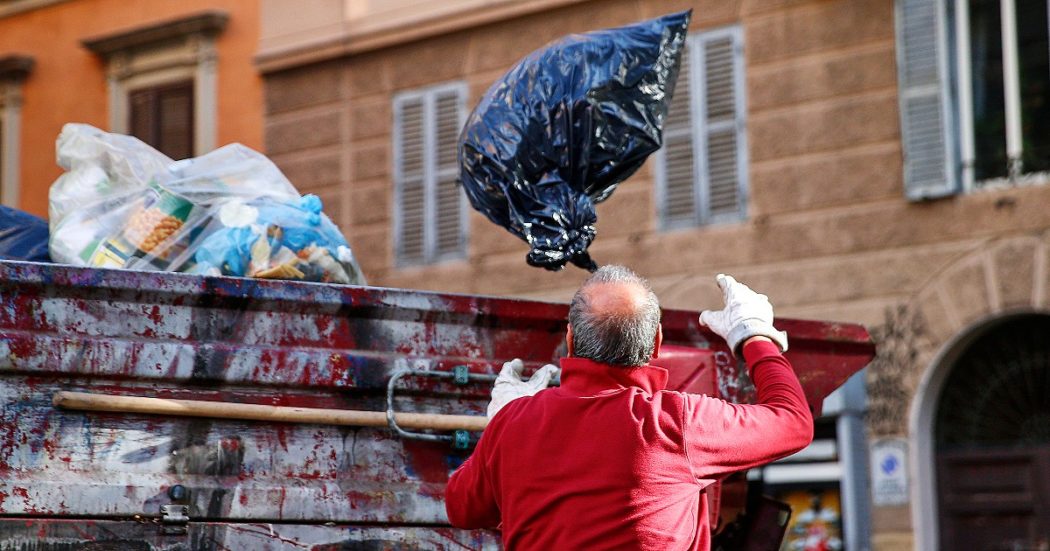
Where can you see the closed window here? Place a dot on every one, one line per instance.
(3, 186)
(701, 171)
(975, 93)
(14, 69)
(429, 206)
(162, 116)
(163, 81)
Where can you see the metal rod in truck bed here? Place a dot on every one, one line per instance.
(84, 401)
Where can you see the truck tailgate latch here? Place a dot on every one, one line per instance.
(174, 518)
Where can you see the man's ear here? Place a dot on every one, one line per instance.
(568, 341)
(659, 340)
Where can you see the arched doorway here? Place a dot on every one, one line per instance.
(991, 436)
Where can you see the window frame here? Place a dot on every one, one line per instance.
(169, 52)
(14, 70)
(934, 65)
(961, 85)
(431, 174)
(699, 133)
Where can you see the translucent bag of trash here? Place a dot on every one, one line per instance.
(558, 132)
(122, 204)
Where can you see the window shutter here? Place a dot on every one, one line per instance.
(929, 166)
(162, 116)
(4, 197)
(410, 180)
(723, 196)
(430, 214)
(175, 135)
(676, 170)
(701, 172)
(140, 112)
(449, 216)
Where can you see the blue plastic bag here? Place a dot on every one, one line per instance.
(22, 236)
(558, 132)
(274, 239)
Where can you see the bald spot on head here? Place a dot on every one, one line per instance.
(614, 298)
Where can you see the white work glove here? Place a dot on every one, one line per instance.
(509, 385)
(746, 314)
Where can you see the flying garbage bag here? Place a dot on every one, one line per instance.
(558, 132)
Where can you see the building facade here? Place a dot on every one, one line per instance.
(877, 162)
(179, 75)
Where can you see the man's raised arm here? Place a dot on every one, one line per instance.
(720, 437)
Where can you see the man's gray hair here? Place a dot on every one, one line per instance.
(621, 338)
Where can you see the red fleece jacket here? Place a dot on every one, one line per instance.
(610, 460)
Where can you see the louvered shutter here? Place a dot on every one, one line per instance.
(175, 131)
(430, 214)
(676, 170)
(141, 115)
(722, 198)
(410, 179)
(162, 116)
(926, 123)
(5, 196)
(449, 212)
(701, 172)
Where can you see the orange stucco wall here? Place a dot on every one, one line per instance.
(68, 83)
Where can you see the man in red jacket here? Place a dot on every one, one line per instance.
(611, 460)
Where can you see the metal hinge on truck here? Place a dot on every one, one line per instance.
(174, 518)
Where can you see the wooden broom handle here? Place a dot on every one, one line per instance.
(256, 412)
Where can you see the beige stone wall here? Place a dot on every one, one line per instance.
(828, 235)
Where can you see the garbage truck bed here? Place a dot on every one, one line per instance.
(135, 481)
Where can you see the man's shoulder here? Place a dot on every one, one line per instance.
(678, 403)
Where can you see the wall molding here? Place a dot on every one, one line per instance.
(21, 6)
(351, 42)
(168, 51)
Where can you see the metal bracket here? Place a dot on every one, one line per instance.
(174, 518)
(174, 514)
(461, 439)
(459, 375)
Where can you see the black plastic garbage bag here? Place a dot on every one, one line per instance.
(22, 236)
(558, 132)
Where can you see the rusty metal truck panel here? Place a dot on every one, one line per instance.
(147, 535)
(278, 343)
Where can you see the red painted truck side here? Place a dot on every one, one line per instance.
(134, 481)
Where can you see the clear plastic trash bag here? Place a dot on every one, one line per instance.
(558, 132)
(122, 204)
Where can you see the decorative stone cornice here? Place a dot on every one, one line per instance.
(15, 67)
(211, 22)
(352, 42)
